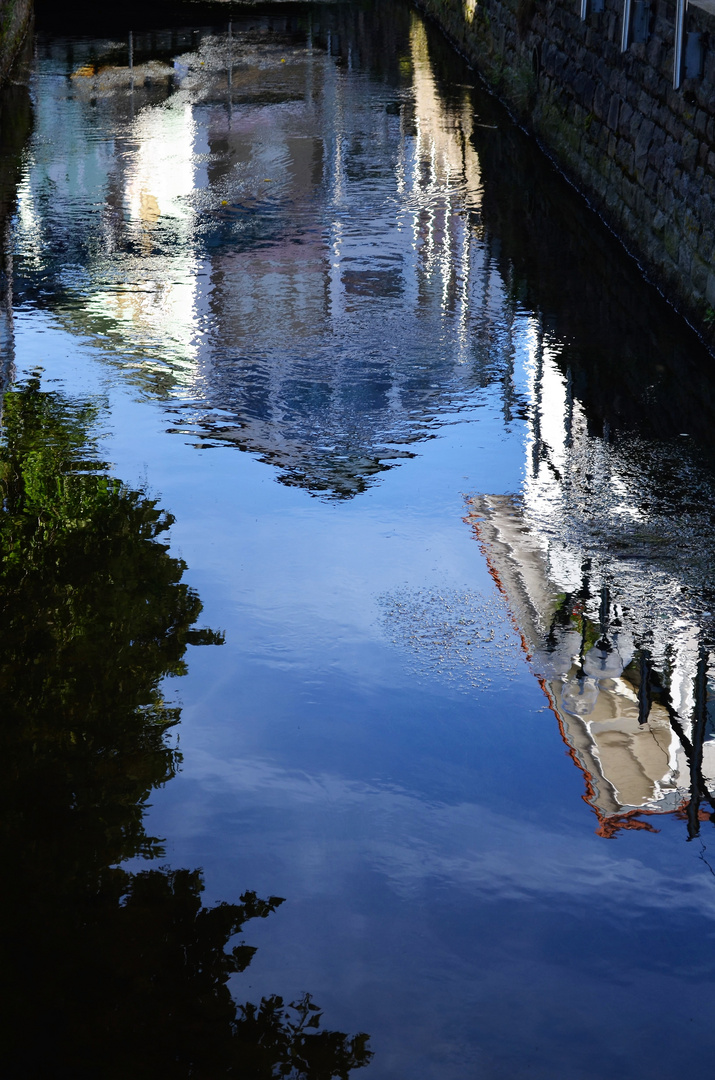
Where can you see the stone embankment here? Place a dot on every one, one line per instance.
(597, 82)
(15, 18)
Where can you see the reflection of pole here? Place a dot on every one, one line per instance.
(644, 696)
(604, 611)
(131, 71)
(538, 376)
(626, 28)
(508, 394)
(694, 750)
(230, 70)
(696, 761)
(679, 37)
(568, 421)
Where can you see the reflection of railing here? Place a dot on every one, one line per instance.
(624, 664)
(639, 754)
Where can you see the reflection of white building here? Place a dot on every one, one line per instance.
(590, 558)
(124, 197)
(257, 195)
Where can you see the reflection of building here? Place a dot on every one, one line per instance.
(15, 127)
(607, 584)
(256, 187)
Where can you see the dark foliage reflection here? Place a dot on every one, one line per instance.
(107, 972)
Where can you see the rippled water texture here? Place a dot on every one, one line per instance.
(358, 602)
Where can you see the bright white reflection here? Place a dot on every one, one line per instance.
(589, 560)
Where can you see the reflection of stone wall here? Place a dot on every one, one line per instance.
(14, 21)
(15, 127)
(643, 152)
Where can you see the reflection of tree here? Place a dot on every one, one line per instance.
(15, 127)
(108, 973)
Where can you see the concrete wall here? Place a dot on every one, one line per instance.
(14, 21)
(641, 151)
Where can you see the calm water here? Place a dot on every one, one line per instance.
(358, 592)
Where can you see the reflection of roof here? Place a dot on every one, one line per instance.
(633, 760)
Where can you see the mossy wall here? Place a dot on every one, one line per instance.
(14, 20)
(642, 152)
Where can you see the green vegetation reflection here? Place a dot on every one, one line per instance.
(108, 972)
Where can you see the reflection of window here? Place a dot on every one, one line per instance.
(694, 55)
(689, 44)
(636, 22)
(680, 7)
(591, 7)
(641, 21)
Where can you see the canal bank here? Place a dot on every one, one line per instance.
(620, 95)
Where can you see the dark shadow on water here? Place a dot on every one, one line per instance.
(635, 364)
(107, 972)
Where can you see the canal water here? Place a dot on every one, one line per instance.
(358, 602)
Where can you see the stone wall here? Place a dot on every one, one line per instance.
(14, 21)
(641, 151)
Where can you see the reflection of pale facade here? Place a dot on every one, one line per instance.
(139, 187)
(591, 565)
(199, 230)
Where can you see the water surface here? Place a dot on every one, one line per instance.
(358, 601)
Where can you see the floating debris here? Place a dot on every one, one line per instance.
(464, 637)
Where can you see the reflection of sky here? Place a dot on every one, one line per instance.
(444, 888)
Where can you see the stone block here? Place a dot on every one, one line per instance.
(709, 67)
(658, 135)
(689, 151)
(698, 274)
(644, 138)
(666, 200)
(624, 117)
(656, 157)
(614, 108)
(672, 153)
(671, 241)
(625, 156)
(653, 52)
(675, 126)
(659, 221)
(705, 245)
(650, 180)
(652, 82)
(644, 104)
(600, 101)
